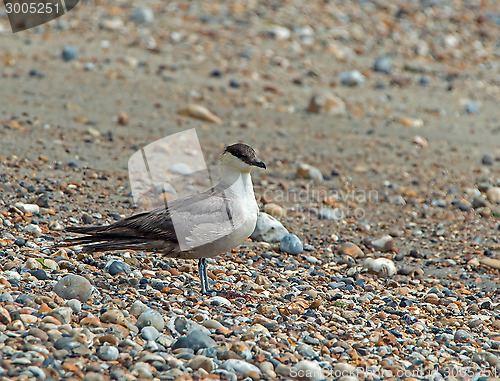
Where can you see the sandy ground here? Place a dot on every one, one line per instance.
(149, 72)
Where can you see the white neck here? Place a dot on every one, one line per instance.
(237, 180)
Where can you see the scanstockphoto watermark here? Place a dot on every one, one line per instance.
(304, 201)
(317, 373)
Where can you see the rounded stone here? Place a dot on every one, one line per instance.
(151, 318)
(108, 353)
(142, 16)
(240, 366)
(150, 333)
(383, 65)
(202, 362)
(196, 340)
(330, 214)
(112, 316)
(69, 53)
(291, 244)
(39, 274)
(308, 371)
(74, 287)
(117, 267)
(138, 308)
(268, 229)
(352, 78)
(461, 335)
(75, 305)
(351, 249)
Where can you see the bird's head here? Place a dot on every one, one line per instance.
(241, 157)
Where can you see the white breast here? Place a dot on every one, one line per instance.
(226, 234)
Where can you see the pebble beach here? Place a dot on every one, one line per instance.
(376, 255)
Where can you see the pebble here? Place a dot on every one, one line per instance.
(279, 32)
(487, 159)
(63, 314)
(196, 340)
(383, 65)
(199, 112)
(351, 249)
(493, 194)
(74, 286)
(151, 318)
(33, 229)
(307, 371)
(462, 335)
(75, 305)
(180, 169)
(39, 274)
(383, 267)
(142, 16)
(306, 171)
(352, 78)
(150, 333)
(471, 107)
(20, 241)
(273, 310)
(108, 353)
(219, 301)
(291, 244)
(202, 362)
(113, 315)
(117, 267)
(326, 103)
(274, 210)
(69, 53)
(27, 208)
(330, 214)
(138, 308)
(384, 243)
(240, 366)
(268, 229)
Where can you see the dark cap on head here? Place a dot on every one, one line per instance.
(245, 153)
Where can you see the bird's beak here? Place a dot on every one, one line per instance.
(259, 163)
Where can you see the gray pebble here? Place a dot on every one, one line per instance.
(196, 340)
(75, 305)
(151, 318)
(108, 353)
(6, 297)
(291, 244)
(462, 335)
(117, 267)
(150, 333)
(306, 351)
(240, 366)
(38, 373)
(352, 78)
(142, 16)
(67, 343)
(383, 65)
(330, 214)
(69, 53)
(471, 107)
(138, 308)
(74, 287)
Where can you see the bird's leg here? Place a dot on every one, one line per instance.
(202, 269)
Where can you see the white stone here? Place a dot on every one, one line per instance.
(268, 229)
(384, 267)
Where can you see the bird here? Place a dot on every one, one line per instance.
(199, 226)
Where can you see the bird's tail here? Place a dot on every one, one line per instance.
(95, 239)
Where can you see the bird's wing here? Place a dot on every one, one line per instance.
(192, 219)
